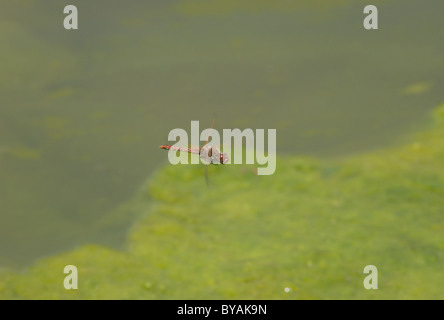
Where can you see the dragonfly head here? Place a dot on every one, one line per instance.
(224, 158)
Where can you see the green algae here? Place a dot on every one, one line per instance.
(26, 153)
(312, 227)
(218, 7)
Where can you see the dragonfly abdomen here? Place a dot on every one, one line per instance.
(189, 150)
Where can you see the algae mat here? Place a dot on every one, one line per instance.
(312, 227)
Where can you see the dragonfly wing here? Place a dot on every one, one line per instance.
(207, 180)
(212, 127)
(206, 154)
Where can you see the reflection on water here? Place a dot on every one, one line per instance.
(82, 112)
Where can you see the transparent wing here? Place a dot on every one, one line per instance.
(207, 179)
(212, 127)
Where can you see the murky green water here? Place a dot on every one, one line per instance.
(82, 112)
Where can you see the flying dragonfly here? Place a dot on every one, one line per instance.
(208, 154)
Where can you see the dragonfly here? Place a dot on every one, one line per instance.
(208, 154)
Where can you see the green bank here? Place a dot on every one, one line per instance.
(312, 227)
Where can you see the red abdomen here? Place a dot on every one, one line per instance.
(190, 150)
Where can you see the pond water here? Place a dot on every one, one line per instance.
(83, 112)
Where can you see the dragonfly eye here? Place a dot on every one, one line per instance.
(224, 158)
